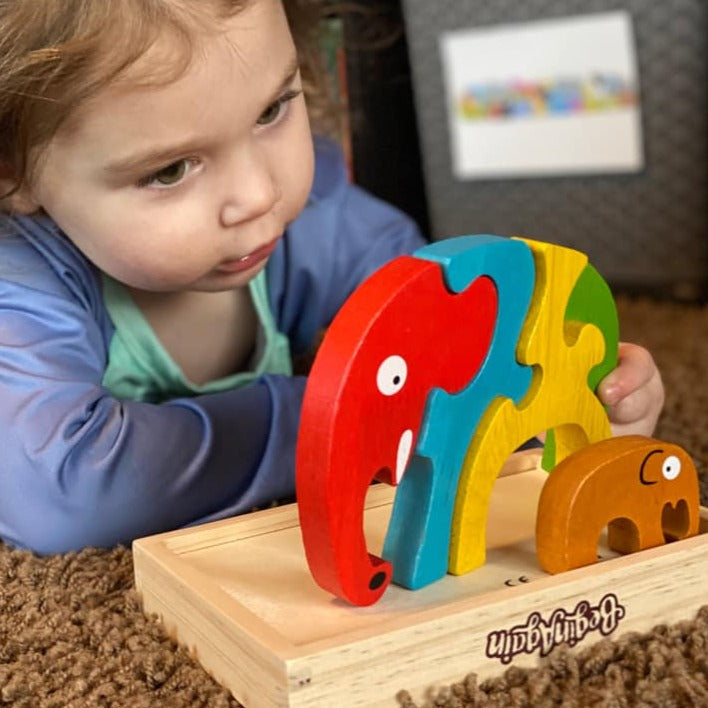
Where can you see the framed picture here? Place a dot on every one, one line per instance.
(550, 97)
(581, 122)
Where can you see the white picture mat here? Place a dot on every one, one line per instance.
(578, 143)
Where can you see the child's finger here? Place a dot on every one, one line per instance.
(638, 413)
(632, 408)
(634, 371)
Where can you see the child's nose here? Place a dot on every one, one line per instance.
(251, 192)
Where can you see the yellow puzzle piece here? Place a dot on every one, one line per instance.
(562, 355)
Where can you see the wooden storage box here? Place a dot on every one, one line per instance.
(238, 593)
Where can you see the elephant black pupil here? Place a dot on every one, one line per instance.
(396, 380)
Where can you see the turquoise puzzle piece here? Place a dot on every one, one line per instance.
(418, 538)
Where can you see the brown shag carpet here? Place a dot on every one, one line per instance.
(72, 632)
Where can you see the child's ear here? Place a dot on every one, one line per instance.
(20, 201)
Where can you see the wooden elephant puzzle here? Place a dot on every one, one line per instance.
(645, 491)
(439, 367)
(433, 373)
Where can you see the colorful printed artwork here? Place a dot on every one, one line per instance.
(528, 99)
(549, 97)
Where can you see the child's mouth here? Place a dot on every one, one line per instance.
(239, 265)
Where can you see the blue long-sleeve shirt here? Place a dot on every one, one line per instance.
(79, 467)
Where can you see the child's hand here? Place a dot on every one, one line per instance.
(633, 392)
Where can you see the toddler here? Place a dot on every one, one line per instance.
(171, 235)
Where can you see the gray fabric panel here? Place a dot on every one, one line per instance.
(643, 229)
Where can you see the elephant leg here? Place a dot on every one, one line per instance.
(419, 530)
(571, 437)
(623, 536)
(581, 551)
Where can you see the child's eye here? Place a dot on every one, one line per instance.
(168, 176)
(277, 109)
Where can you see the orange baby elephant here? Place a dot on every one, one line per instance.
(644, 490)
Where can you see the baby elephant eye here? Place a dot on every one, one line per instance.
(391, 375)
(671, 467)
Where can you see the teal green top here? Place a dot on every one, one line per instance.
(140, 368)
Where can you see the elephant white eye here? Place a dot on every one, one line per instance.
(672, 467)
(391, 375)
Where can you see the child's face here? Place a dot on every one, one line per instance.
(188, 185)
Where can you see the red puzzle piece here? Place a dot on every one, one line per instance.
(399, 335)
